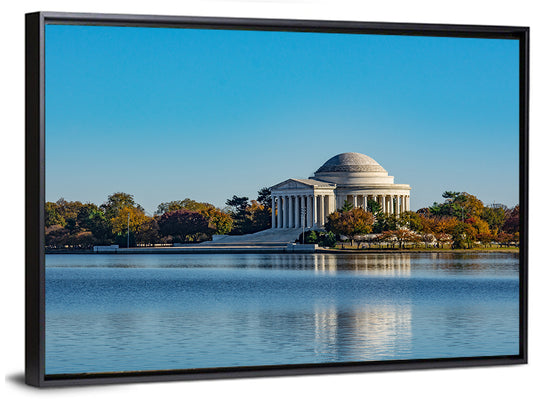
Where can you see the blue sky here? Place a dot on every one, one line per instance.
(166, 114)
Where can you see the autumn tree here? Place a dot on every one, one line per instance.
(261, 215)
(458, 204)
(128, 219)
(351, 223)
(485, 238)
(504, 238)
(56, 236)
(511, 224)
(220, 221)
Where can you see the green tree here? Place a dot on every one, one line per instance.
(184, 225)
(147, 232)
(494, 216)
(373, 207)
(85, 214)
(460, 205)
(346, 207)
(411, 220)
(52, 215)
(68, 209)
(220, 222)
(116, 202)
(239, 212)
(384, 222)
(463, 235)
(264, 197)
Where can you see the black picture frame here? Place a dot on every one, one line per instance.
(35, 190)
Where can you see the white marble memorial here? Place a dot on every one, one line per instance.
(353, 177)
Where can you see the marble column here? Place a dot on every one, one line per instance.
(273, 207)
(291, 213)
(408, 203)
(309, 207)
(278, 200)
(297, 215)
(397, 210)
(314, 210)
(322, 209)
(365, 202)
(285, 212)
(382, 203)
(318, 210)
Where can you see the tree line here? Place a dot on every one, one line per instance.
(460, 221)
(120, 220)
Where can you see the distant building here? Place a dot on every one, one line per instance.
(351, 177)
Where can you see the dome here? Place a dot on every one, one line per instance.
(351, 162)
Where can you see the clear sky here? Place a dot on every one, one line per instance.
(166, 114)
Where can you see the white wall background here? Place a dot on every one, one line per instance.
(493, 382)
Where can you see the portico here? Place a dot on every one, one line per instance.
(302, 203)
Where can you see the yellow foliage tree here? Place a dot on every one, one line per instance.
(350, 223)
(119, 224)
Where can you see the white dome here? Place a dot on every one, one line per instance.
(351, 162)
(353, 169)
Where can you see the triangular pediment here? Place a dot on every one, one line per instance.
(300, 184)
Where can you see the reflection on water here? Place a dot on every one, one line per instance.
(146, 312)
(384, 265)
(378, 331)
(486, 264)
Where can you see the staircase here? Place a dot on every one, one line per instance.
(270, 237)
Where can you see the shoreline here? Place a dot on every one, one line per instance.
(271, 250)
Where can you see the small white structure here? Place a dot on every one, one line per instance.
(350, 176)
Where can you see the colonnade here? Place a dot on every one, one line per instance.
(297, 211)
(311, 211)
(391, 204)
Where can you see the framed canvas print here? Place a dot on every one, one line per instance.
(217, 197)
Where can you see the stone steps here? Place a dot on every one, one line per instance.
(270, 237)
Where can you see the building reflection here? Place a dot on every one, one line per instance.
(371, 264)
(366, 264)
(368, 332)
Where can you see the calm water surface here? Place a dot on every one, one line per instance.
(152, 312)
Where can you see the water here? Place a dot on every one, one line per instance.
(153, 312)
